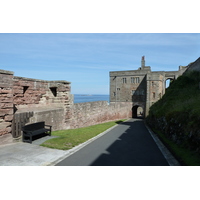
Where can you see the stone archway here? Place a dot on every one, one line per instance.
(137, 111)
(168, 81)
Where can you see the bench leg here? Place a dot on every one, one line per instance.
(30, 139)
(23, 137)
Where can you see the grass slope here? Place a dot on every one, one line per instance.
(176, 117)
(68, 139)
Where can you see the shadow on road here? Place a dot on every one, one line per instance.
(135, 147)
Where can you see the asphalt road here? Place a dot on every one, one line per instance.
(128, 144)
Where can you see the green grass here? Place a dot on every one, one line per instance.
(183, 155)
(177, 115)
(68, 139)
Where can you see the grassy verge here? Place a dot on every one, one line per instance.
(183, 155)
(176, 116)
(68, 139)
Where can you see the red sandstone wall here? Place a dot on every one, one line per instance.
(33, 92)
(6, 101)
(50, 101)
(18, 94)
(91, 113)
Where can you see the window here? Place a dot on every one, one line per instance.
(135, 80)
(25, 88)
(124, 80)
(118, 89)
(114, 94)
(154, 95)
(54, 91)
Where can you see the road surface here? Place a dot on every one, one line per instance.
(128, 144)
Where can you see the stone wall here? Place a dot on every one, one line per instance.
(91, 113)
(52, 116)
(50, 101)
(36, 93)
(6, 101)
(128, 86)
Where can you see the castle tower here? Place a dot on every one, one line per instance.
(142, 62)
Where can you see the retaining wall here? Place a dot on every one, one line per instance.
(54, 117)
(91, 113)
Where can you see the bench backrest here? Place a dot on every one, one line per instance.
(34, 126)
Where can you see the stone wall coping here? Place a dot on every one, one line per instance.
(138, 70)
(136, 73)
(38, 109)
(39, 80)
(6, 72)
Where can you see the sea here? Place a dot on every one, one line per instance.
(82, 98)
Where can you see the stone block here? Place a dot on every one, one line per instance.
(19, 95)
(4, 125)
(6, 105)
(5, 91)
(9, 95)
(8, 118)
(3, 132)
(8, 129)
(18, 91)
(5, 100)
(4, 112)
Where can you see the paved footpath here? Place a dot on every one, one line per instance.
(128, 144)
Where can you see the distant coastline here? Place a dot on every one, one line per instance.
(82, 98)
(84, 94)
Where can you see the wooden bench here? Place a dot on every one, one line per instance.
(37, 128)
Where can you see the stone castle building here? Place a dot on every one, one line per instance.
(141, 87)
(26, 100)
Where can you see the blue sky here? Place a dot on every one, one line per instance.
(85, 59)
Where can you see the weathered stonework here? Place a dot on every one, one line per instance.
(142, 87)
(19, 94)
(131, 93)
(52, 116)
(25, 100)
(91, 113)
(29, 92)
(6, 101)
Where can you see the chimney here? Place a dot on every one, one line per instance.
(142, 62)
